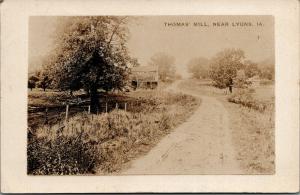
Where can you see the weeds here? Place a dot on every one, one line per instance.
(253, 125)
(103, 143)
(245, 98)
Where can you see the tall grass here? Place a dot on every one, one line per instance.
(245, 98)
(253, 135)
(253, 124)
(89, 144)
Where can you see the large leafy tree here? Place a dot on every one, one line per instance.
(166, 66)
(91, 53)
(224, 67)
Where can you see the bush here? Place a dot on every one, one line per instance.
(61, 156)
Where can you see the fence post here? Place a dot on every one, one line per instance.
(125, 106)
(46, 115)
(106, 107)
(89, 109)
(67, 112)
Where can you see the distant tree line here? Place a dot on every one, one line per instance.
(39, 80)
(229, 68)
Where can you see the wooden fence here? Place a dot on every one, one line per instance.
(54, 114)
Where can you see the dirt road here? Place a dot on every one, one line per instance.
(202, 145)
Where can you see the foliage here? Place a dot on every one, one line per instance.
(224, 67)
(91, 53)
(267, 72)
(245, 98)
(241, 80)
(61, 155)
(44, 81)
(32, 82)
(103, 143)
(251, 69)
(253, 135)
(166, 67)
(198, 67)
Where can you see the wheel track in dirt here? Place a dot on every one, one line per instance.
(201, 145)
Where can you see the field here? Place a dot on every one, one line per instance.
(104, 143)
(252, 122)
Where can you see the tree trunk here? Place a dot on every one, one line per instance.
(94, 100)
(230, 89)
(44, 89)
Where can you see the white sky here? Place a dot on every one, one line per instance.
(149, 35)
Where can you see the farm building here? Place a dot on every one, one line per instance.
(144, 77)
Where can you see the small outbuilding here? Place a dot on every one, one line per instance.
(144, 77)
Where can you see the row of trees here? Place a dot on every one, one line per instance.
(40, 80)
(225, 67)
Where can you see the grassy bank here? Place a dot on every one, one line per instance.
(253, 124)
(102, 144)
(253, 136)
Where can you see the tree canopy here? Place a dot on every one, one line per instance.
(224, 67)
(32, 82)
(91, 53)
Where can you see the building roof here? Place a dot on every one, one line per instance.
(144, 69)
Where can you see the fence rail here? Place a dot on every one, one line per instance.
(41, 115)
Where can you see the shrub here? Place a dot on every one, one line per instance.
(61, 156)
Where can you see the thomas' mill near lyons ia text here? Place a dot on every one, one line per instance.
(140, 95)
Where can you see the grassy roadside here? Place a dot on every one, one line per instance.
(253, 136)
(102, 144)
(252, 122)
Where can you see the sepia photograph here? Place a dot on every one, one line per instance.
(148, 96)
(151, 95)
